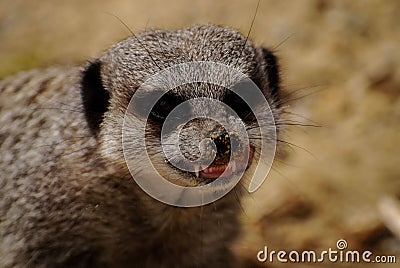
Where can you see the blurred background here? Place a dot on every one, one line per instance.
(340, 62)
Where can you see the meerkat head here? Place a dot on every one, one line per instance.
(185, 134)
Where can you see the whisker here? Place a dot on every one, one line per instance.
(248, 34)
(297, 124)
(274, 48)
(297, 146)
(284, 123)
(137, 39)
(300, 116)
(286, 100)
(239, 202)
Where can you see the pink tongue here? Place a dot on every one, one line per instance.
(214, 172)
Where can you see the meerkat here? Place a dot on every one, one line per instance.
(67, 197)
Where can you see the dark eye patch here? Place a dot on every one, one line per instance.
(239, 105)
(143, 105)
(163, 107)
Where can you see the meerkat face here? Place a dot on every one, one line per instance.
(195, 132)
(187, 136)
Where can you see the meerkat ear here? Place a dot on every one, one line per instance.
(271, 71)
(94, 96)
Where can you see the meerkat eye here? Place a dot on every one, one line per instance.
(239, 106)
(163, 107)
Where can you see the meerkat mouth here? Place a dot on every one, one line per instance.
(214, 171)
(205, 175)
(223, 171)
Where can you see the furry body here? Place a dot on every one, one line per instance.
(67, 198)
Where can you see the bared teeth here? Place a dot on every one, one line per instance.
(214, 169)
(233, 166)
(197, 169)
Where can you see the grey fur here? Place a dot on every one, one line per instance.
(67, 198)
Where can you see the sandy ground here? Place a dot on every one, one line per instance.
(341, 60)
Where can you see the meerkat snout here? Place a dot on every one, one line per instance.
(213, 147)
